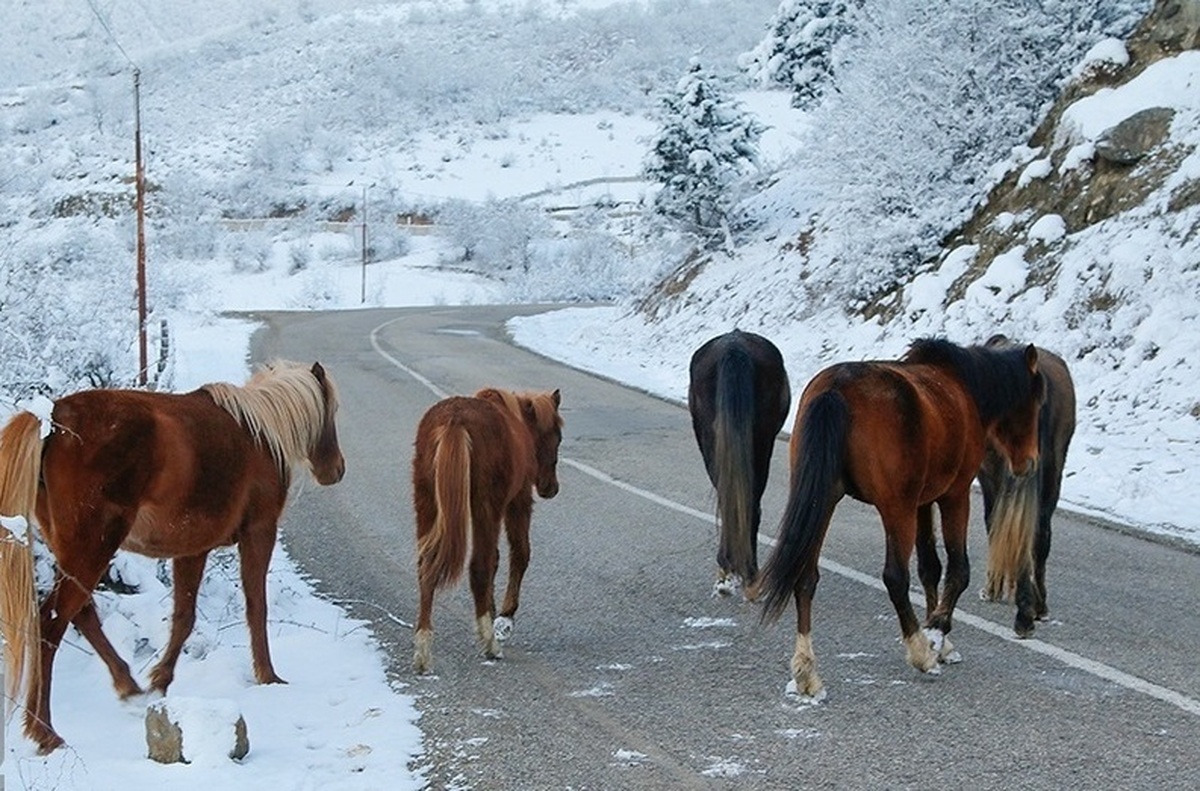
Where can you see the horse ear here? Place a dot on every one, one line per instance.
(318, 372)
(999, 339)
(556, 397)
(1031, 358)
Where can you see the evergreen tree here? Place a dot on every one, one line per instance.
(706, 141)
(797, 52)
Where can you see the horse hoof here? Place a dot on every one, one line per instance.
(726, 586)
(49, 743)
(502, 628)
(813, 690)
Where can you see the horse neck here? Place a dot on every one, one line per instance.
(995, 383)
(276, 416)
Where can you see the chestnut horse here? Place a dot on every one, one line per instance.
(477, 462)
(1017, 511)
(901, 436)
(163, 475)
(738, 396)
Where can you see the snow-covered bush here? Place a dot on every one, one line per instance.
(494, 237)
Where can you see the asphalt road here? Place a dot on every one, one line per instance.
(624, 673)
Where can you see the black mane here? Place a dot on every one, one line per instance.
(997, 377)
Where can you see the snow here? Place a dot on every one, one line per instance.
(1133, 459)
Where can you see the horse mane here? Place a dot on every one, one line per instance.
(283, 406)
(545, 413)
(996, 376)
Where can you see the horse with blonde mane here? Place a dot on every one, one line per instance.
(1017, 511)
(477, 463)
(164, 475)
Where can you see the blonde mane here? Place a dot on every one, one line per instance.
(543, 408)
(282, 406)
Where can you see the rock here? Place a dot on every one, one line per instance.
(1131, 140)
(184, 730)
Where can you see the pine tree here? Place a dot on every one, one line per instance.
(797, 52)
(705, 143)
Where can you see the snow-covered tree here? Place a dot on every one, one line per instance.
(705, 144)
(797, 52)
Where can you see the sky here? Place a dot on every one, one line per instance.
(355, 729)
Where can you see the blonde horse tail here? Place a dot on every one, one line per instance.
(1010, 537)
(443, 550)
(20, 469)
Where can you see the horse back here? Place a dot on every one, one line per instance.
(914, 430)
(141, 462)
(501, 446)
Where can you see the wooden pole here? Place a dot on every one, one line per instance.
(140, 192)
(363, 298)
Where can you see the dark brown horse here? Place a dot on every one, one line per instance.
(477, 462)
(738, 396)
(163, 475)
(902, 436)
(1017, 511)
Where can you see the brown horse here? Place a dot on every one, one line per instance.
(163, 475)
(902, 436)
(1017, 511)
(477, 462)
(738, 396)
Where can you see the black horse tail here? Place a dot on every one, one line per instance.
(733, 458)
(816, 474)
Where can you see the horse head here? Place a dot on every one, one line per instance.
(1015, 434)
(325, 455)
(541, 415)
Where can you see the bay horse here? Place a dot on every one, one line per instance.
(477, 462)
(164, 475)
(738, 397)
(1017, 511)
(901, 436)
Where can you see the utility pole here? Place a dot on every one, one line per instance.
(363, 298)
(140, 206)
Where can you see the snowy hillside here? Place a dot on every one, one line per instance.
(1116, 291)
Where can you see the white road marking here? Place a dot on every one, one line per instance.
(1069, 658)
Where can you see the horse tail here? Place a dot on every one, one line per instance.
(734, 460)
(816, 473)
(20, 470)
(443, 550)
(1011, 530)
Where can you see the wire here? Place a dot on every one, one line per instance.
(111, 36)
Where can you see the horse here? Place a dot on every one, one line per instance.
(163, 475)
(477, 462)
(902, 436)
(1017, 512)
(738, 397)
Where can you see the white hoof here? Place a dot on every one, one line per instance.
(502, 627)
(815, 696)
(726, 585)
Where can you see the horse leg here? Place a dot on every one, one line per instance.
(71, 593)
(1051, 485)
(254, 548)
(482, 572)
(516, 527)
(900, 527)
(88, 624)
(929, 565)
(804, 661)
(186, 573)
(423, 636)
(954, 512)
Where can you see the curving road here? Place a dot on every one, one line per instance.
(623, 673)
